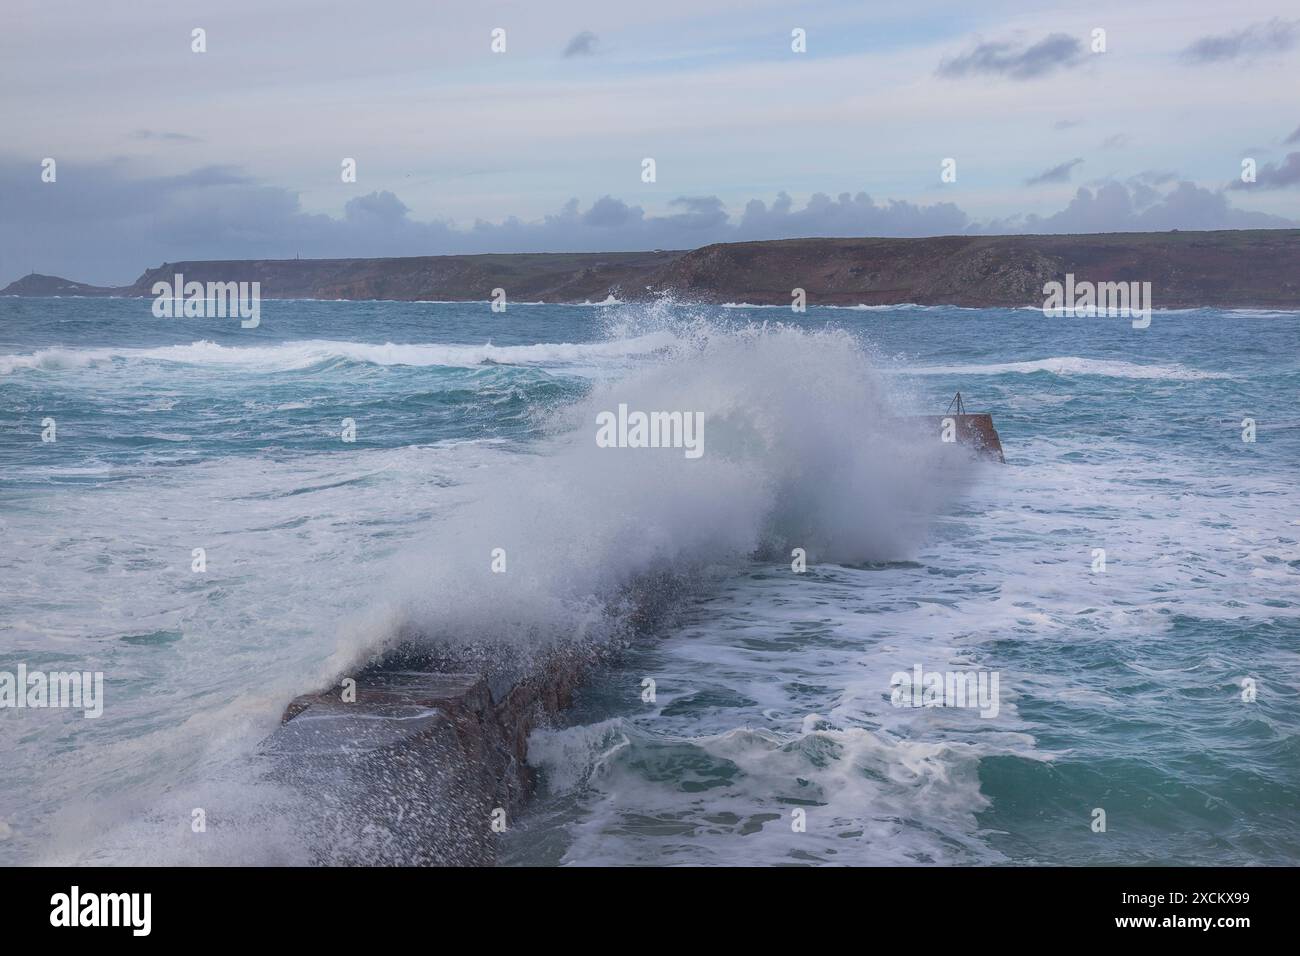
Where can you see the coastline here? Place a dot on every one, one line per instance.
(1245, 269)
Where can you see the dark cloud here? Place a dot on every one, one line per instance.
(382, 208)
(584, 44)
(1057, 174)
(1009, 58)
(1115, 141)
(1272, 36)
(104, 225)
(700, 212)
(1144, 188)
(1273, 176)
(1294, 137)
(607, 212)
(847, 215)
(1137, 207)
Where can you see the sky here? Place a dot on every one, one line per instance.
(162, 153)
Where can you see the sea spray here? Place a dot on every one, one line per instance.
(306, 534)
(802, 452)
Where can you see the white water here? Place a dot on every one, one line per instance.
(289, 356)
(373, 545)
(799, 452)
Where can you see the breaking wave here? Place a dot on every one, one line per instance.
(290, 356)
(1072, 365)
(801, 450)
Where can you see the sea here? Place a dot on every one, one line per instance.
(217, 518)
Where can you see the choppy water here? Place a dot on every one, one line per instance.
(1120, 690)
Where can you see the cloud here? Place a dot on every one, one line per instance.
(1066, 124)
(1137, 207)
(1009, 58)
(701, 212)
(1154, 177)
(584, 44)
(1115, 141)
(847, 215)
(164, 136)
(103, 224)
(1273, 176)
(1057, 174)
(606, 213)
(224, 175)
(380, 208)
(1294, 137)
(1272, 36)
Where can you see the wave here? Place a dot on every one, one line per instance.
(800, 450)
(1070, 365)
(855, 785)
(303, 354)
(862, 307)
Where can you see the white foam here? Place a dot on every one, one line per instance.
(654, 801)
(310, 352)
(1070, 365)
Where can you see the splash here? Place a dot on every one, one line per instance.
(803, 451)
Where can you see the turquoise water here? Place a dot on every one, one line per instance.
(1120, 690)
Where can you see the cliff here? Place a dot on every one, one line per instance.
(1256, 269)
(1246, 268)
